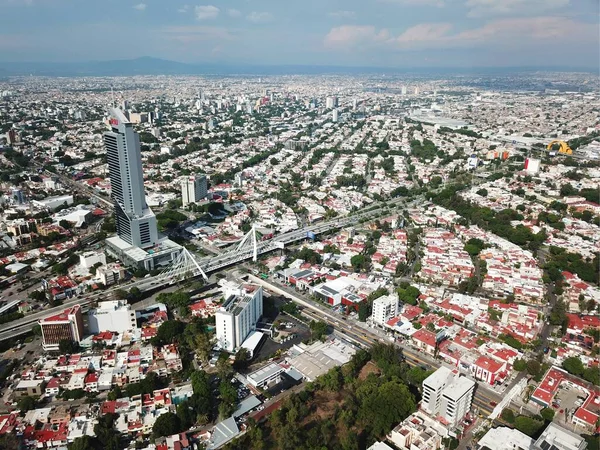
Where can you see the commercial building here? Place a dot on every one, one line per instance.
(556, 437)
(67, 325)
(115, 315)
(238, 315)
(504, 438)
(447, 395)
(385, 308)
(137, 242)
(265, 376)
(193, 189)
(135, 221)
(88, 259)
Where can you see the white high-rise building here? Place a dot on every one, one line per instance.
(193, 189)
(335, 115)
(135, 221)
(115, 315)
(447, 394)
(238, 315)
(330, 102)
(404, 90)
(385, 308)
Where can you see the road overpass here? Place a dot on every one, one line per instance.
(207, 265)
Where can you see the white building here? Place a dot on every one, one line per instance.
(385, 308)
(238, 315)
(116, 316)
(110, 274)
(418, 432)
(447, 395)
(504, 438)
(556, 437)
(193, 189)
(335, 115)
(89, 259)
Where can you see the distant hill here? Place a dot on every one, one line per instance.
(156, 66)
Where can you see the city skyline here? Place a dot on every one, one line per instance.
(382, 33)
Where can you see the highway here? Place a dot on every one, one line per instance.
(208, 265)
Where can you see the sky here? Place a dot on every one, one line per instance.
(363, 33)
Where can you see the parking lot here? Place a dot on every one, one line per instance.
(566, 402)
(295, 334)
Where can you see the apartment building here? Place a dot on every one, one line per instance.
(447, 395)
(385, 308)
(238, 315)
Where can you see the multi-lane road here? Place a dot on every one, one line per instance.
(208, 265)
(484, 399)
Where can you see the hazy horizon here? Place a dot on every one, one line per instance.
(351, 33)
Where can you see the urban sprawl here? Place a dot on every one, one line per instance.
(295, 262)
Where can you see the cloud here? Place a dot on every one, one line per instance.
(140, 6)
(494, 8)
(547, 30)
(342, 14)
(424, 32)
(259, 17)
(348, 36)
(232, 12)
(184, 9)
(206, 12)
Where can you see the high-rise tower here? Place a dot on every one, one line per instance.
(135, 221)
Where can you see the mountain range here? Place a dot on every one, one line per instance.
(155, 66)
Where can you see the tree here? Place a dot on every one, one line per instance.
(528, 426)
(483, 192)
(508, 415)
(363, 311)
(10, 441)
(170, 331)
(120, 294)
(85, 443)
(359, 262)
(167, 424)
(68, 347)
(242, 359)
(26, 403)
(573, 365)
(520, 365)
(547, 414)
(318, 329)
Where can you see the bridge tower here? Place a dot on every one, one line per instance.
(250, 241)
(185, 266)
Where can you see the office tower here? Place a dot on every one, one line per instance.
(193, 189)
(135, 221)
(385, 308)
(417, 90)
(447, 394)
(335, 115)
(238, 315)
(125, 105)
(354, 104)
(404, 90)
(65, 326)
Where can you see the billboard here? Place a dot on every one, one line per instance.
(279, 244)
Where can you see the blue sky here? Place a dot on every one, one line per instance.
(383, 33)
